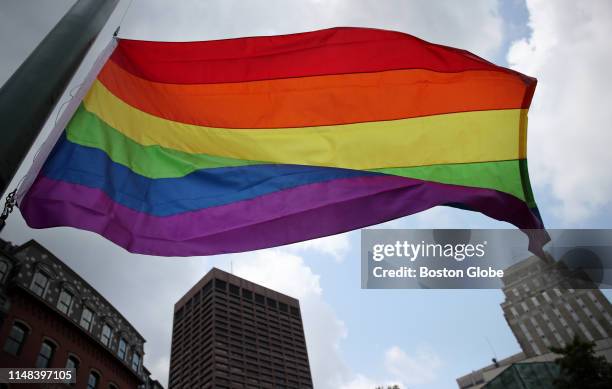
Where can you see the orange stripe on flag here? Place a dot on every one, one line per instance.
(318, 100)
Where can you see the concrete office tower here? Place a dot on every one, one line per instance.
(51, 317)
(546, 306)
(231, 333)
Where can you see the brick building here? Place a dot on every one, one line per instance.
(231, 333)
(51, 317)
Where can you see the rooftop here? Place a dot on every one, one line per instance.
(216, 273)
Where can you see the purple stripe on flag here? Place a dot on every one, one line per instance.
(283, 217)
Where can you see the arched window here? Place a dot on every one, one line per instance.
(93, 380)
(64, 302)
(47, 349)
(112, 386)
(87, 317)
(16, 339)
(136, 362)
(40, 281)
(106, 335)
(72, 362)
(122, 349)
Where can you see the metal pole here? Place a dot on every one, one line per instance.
(29, 96)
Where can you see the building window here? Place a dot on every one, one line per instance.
(72, 363)
(234, 289)
(178, 315)
(16, 339)
(283, 307)
(136, 362)
(92, 381)
(107, 333)
(295, 311)
(112, 386)
(45, 354)
(207, 288)
(514, 312)
(221, 285)
(3, 270)
(39, 283)
(122, 350)
(87, 318)
(64, 302)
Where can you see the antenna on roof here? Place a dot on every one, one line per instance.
(231, 267)
(494, 359)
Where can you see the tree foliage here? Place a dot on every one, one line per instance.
(581, 368)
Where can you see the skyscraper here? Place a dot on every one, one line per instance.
(546, 306)
(229, 332)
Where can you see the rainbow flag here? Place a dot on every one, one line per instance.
(197, 148)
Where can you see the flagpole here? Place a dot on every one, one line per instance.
(30, 95)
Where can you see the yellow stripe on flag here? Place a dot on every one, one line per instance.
(464, 137)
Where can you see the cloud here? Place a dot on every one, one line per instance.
(446, 22)
(159, 365)
(336, 246)
(402, 369)
(287, 273)
(279, 270)
(363, 382)
(417, 369)
(569, 134)
(16, 40)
